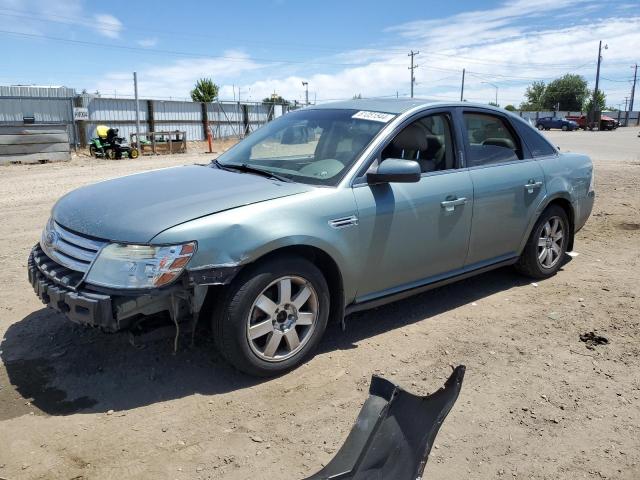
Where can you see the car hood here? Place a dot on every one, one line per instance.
(137, 207)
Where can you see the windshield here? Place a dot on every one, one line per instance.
(308, 146)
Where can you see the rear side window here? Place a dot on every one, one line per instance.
(491, 140)
(538, 145)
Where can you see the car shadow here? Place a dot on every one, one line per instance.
(62, 368)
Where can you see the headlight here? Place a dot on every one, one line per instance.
(139, 266)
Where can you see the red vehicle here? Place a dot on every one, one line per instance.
(606, 123)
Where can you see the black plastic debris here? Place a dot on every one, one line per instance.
(592, 339)
(393, 434)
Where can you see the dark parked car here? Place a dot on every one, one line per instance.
(547, 123)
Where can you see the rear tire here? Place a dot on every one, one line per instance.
(272, 316)
(544, 251)
(540, 127)
(92, 151)
(565, 128)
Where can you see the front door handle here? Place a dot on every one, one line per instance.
(450, 205)
(531, 186)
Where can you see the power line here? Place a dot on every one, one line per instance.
(620, 81)
(117, 27)
(178, 53)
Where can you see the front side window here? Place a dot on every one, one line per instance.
(490, 140)
(308, 146)
(428, 141)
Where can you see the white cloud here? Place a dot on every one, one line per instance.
(107, 25)
(148, 42)
(176, 80)
(42, 17)
(22, 15)
(509, 45)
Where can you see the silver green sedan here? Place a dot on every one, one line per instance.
(322, 212)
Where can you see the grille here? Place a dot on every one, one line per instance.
(69, 249)
(54, 271)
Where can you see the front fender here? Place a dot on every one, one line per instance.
(243, 235)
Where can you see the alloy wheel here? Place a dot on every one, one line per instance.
(550, 242)
(282, 318)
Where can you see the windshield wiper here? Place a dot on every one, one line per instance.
(245, 167)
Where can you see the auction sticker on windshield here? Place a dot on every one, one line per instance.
(373, 116)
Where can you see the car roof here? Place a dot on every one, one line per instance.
(394, 105)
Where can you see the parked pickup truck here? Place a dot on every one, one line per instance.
(606, 122)
(374, 201)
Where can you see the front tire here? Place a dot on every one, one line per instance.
(272, 316)
(565, 128)
(540, 127)
(543, 254)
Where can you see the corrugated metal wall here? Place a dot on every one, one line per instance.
(50, 110)
(55, 105)
(620, 116)
(35, 91)
(175, 115)
(117, 113)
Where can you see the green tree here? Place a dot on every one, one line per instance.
(601, 101)
(510, 107)
(204, 91)
(568, 92)
(535, 95)
(357, 96)
(494, 104)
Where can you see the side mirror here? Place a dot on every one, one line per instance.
(395, 170)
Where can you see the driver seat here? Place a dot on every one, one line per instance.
(410, 144)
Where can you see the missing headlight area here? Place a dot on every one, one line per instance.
(394, 432)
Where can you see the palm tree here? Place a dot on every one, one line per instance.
(204, 91)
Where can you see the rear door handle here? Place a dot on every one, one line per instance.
(531, 186)
(450, 205)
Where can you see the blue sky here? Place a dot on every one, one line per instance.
(341, 48)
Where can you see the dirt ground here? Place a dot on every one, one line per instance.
(535, 404)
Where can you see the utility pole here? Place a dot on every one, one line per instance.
(135, 91)
(412, 68)
(496, 87)
(306, 93)
(462, 87)
(595, 91)
(633, 91)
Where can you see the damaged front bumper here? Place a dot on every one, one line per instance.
(394, 432)
(110, 309)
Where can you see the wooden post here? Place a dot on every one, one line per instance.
(151, 121)
(205, 119)
(81, 125)
(245, 119)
